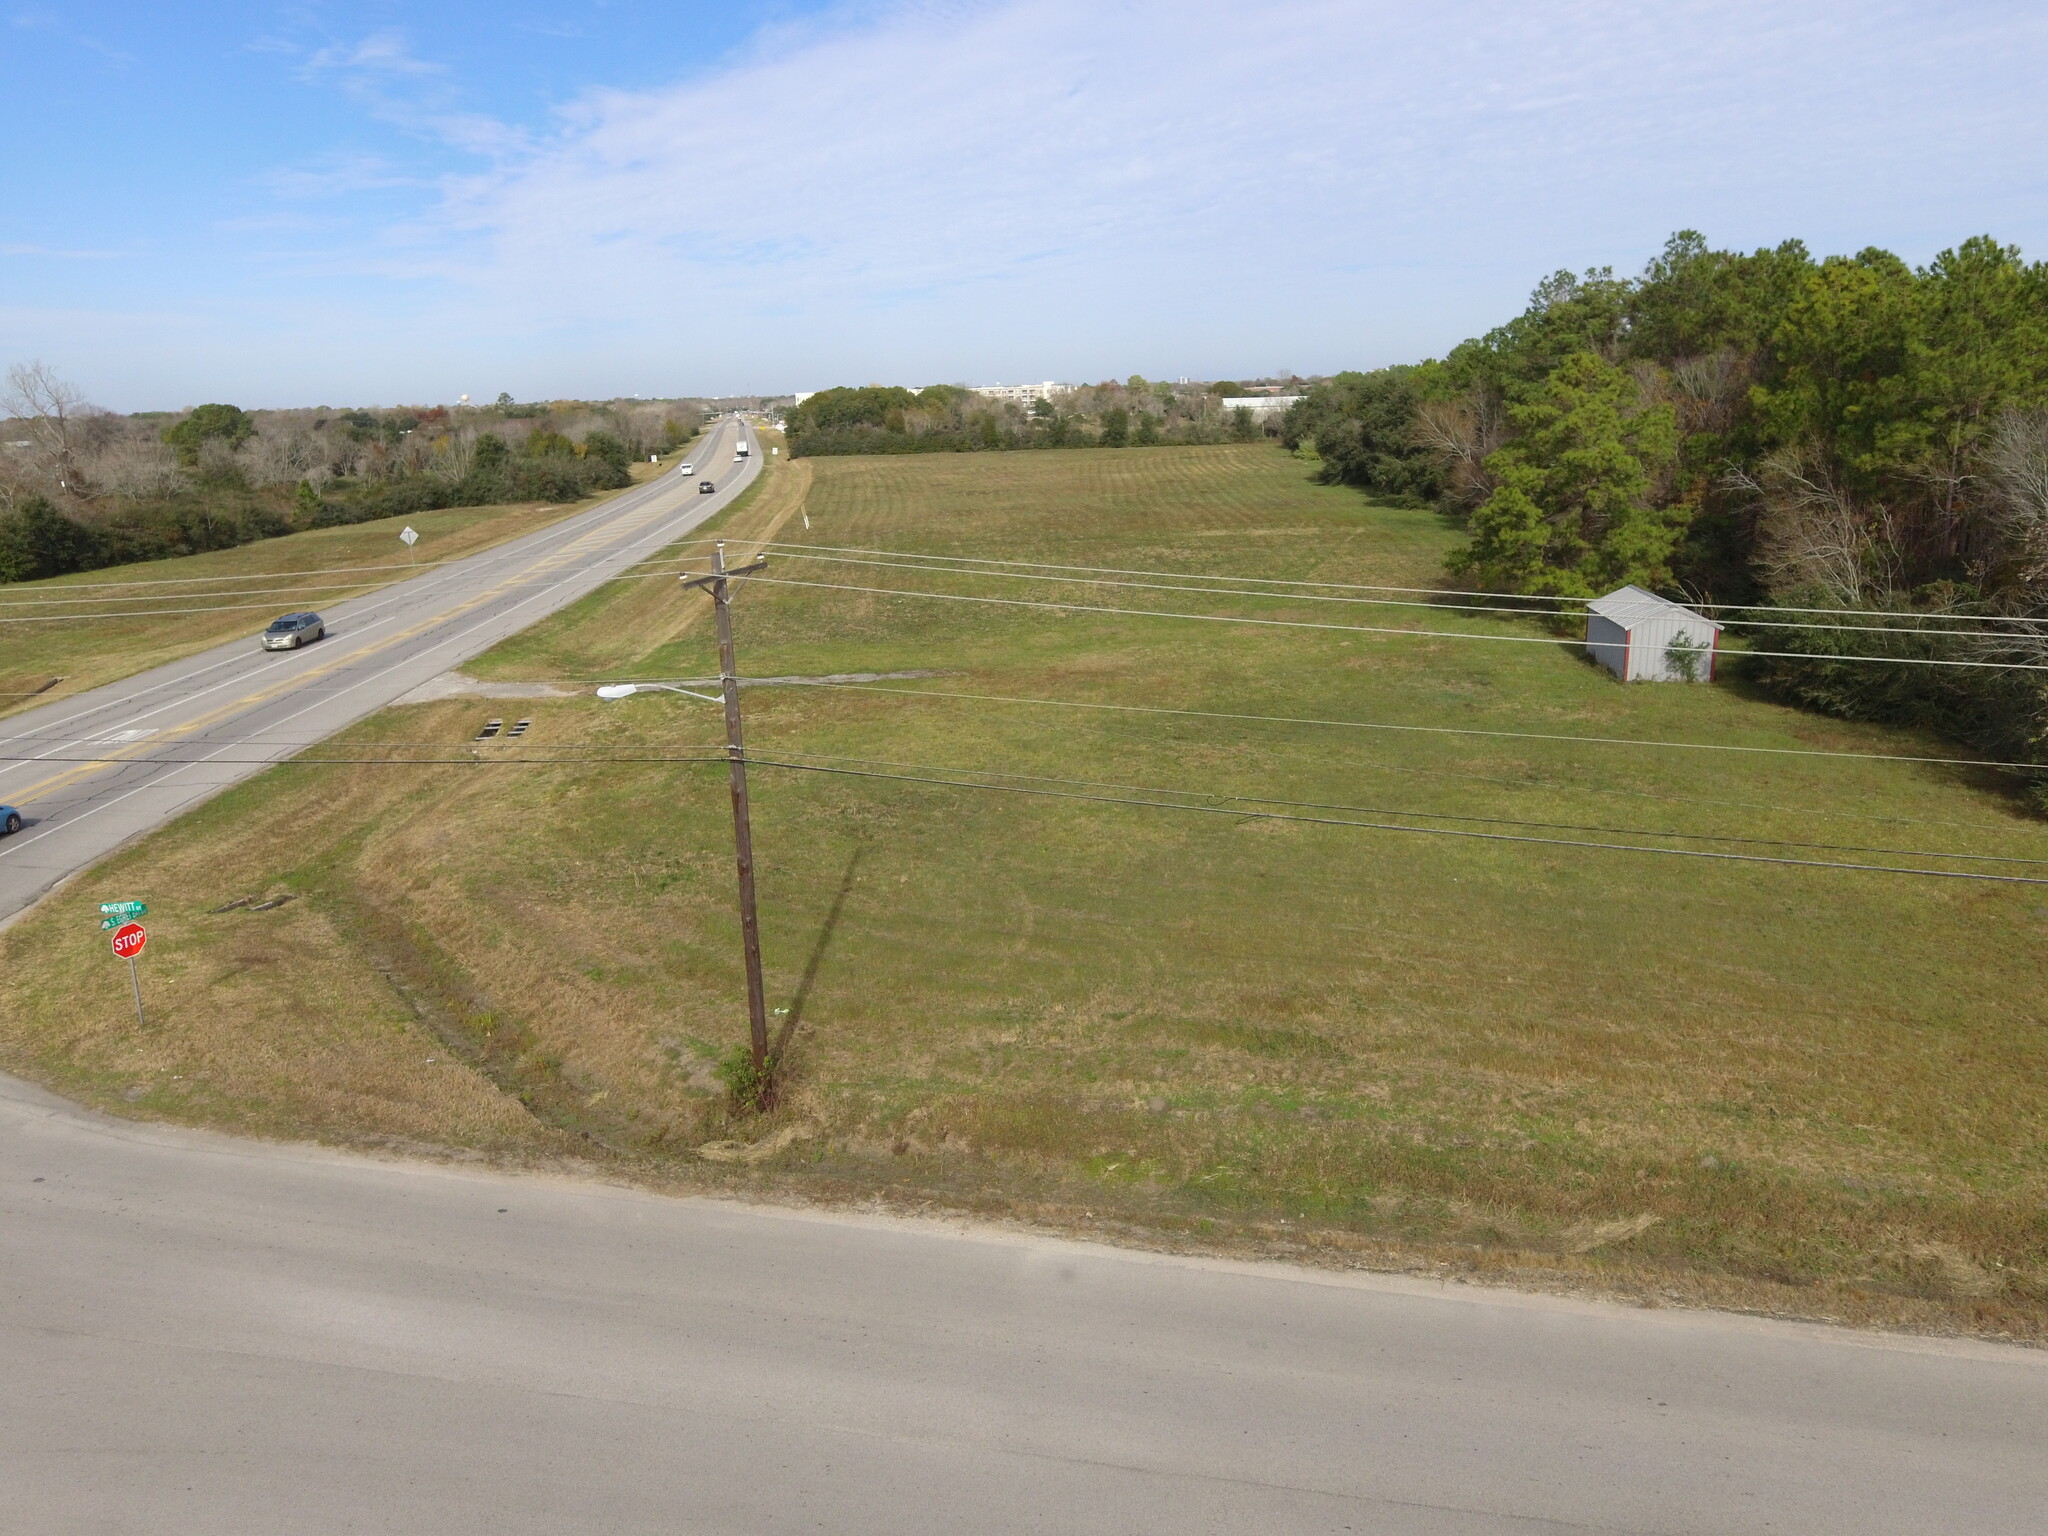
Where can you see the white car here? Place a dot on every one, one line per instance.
(684, 468)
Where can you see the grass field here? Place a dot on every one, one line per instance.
(42, 661)
(1796, 1089)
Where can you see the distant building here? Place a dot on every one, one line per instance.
(1264, 405)
(1643, 638)
(1023, 394)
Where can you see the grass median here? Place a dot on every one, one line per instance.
(1799, 1089)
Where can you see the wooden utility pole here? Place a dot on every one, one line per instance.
(719, 585)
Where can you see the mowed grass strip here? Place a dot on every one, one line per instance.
(1796, 1089)
(220, 595)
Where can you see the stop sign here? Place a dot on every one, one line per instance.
(129, 939)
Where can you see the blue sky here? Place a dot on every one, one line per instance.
(313, 203)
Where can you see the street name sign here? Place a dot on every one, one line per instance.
(124, 908)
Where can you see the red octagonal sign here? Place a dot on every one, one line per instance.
(129, 939)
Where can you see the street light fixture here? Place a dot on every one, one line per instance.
(627, 690)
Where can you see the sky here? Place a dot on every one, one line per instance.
(376, 203)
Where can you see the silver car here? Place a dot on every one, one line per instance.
(293, 631)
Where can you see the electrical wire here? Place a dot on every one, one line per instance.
(1432, 730)
(1359, 629)
(332, 570)
(146, 613)
(1180, 584)
(153, 597)
(1146, 797)
(1524, 782)
(1498, 821)
(1491, 837)
(1563, 787)
(1353, 586)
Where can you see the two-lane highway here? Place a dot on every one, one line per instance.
(91, 772)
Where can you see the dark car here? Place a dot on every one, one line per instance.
(10, 819)
(705, 487)
(293, 631)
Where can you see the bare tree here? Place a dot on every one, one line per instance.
(218, 459)
(55, 415)
(1812, 535)
(284, 455)
(139, 464)
(2016, 465)
(1708, 389)
(1463, 434)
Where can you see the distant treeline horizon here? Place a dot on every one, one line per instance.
(83, 489)
(950, 418)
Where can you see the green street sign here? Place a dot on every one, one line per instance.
(124, 908)
(112, 922)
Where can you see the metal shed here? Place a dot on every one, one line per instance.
(1632, 633)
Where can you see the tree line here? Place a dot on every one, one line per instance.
(1762, 429)
(82, 488)
(948, 418)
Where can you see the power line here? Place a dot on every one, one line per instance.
(1181, 584)
(1358, 629)
(1498, 821)
(1353, 586)
(1491, 837)
(189, 581)
(152, 597)
(146, 613)
(1523, 782)
(1435, 730)
(1141, 796)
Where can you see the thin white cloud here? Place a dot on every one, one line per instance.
(385, 53)
(340, 175)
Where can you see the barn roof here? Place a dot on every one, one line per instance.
(1631, 605)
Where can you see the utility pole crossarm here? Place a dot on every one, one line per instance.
(759, 563)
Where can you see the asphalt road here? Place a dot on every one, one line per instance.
(200, 1334)
(93, 771)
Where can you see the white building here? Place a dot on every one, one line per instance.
(1264, 405)
(1643, 638)
(1023, 394)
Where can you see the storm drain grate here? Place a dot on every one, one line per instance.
(491, 728)
(518, 728)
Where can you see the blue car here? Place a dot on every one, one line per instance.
(10, 819)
